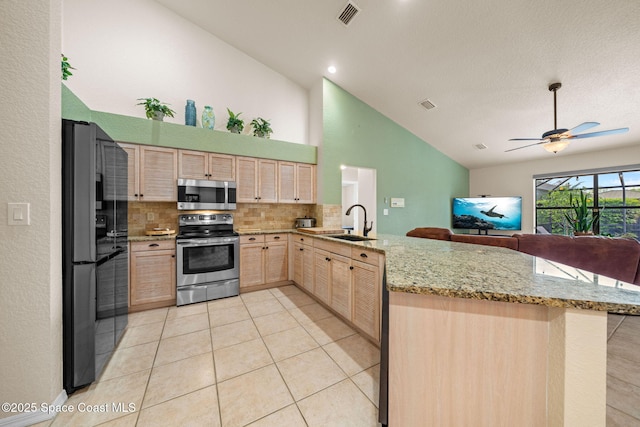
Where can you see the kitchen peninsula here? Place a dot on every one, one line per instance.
(488, 336)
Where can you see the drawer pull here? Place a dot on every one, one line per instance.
(252, 238)
(302, 239)
(153, 245)
(276, 238)
(302, 249)
(363, 255)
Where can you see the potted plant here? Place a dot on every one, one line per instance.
(580, 217)
(261, 127)
(155, 109)
(66, 67)
(234, 124)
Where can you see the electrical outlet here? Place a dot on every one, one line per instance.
(150, 216)
(18, 214)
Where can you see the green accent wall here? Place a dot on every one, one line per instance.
(150, 132)
(355, 134)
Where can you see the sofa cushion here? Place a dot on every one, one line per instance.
(613, 257)
(502, 241)
(431, 233)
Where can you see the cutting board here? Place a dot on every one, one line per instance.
(162, 232)
(321, 230)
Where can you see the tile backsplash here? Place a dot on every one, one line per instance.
(144, 216)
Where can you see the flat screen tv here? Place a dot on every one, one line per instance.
(487, 213)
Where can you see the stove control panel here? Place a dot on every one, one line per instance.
(205, 219)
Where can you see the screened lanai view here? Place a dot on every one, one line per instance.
(613, 197)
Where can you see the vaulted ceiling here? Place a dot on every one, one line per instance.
(485, 65)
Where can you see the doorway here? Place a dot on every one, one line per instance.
(358, 187)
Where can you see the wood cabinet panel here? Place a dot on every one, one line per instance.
(267, 181)
(322, 274)
(222, 167)
(152, 275)
(133, 170)
(263, 259)
(192, 164)
(341, 292)
(366, 298)
(296, 182)
(276, 268)
(251, 264)
(158, 174)
(257, 180)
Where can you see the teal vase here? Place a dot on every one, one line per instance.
(208, 118)
(190, 113)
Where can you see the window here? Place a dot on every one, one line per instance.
(615, 194)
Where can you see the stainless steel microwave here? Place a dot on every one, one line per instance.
(200, 194)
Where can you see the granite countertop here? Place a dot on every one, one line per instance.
(462, 270)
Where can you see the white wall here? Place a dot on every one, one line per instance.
(517, 179)
(128, 49)
(30, 261)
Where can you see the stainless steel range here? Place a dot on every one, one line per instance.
(208, 254)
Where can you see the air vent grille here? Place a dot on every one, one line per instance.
(348, 13)
(427, 104)
(480, 146)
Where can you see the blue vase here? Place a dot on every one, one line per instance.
(208, 118)
(190, 113)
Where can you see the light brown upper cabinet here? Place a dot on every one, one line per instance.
(296, 182)
(203, 165)
(152, 173)
(133, 167)
(256, 180)
(158, 174)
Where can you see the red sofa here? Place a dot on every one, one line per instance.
(618, 258)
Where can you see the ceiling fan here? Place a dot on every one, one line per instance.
(558, 139)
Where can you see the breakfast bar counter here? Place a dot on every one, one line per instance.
(485, 336)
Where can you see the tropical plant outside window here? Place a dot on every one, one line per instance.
(615, 195)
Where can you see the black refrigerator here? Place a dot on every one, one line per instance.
(95, 268)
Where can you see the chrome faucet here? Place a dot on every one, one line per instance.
(366, 229)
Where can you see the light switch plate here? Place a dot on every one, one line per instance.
(397, 202)
(385, 212)
(18, 214)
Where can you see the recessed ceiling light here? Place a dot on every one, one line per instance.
(331, 69)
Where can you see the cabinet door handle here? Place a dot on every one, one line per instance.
(351, 267)
(363, 255)
(153, 245)
(328, 259)
(173, 256)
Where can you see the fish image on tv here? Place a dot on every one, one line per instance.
(492, 213)
(487, 213)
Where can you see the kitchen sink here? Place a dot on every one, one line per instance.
(350, 237)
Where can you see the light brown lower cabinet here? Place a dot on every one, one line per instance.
(263, 260)
(152, 275)
(346, 278)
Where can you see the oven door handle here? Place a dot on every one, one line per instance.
(207, 242)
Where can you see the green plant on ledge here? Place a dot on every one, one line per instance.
(580, 218)
(66, 67)
(261, 128)
(235, 124)
(155, 109)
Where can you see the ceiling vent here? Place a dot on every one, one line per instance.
(427, 104)
(348, 13)
(480, 146)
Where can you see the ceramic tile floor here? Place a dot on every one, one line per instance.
(268, 358)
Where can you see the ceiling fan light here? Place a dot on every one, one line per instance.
(556, 146)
